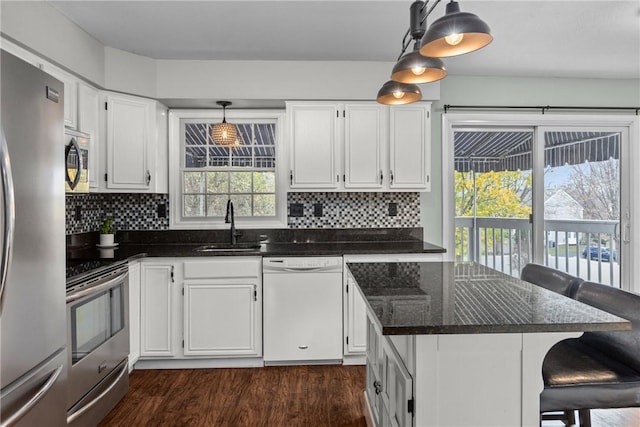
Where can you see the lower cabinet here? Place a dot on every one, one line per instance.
(197, 308)
(389, 385)
(157, 311)
(222, 313)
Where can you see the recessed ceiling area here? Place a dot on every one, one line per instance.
(592, 39)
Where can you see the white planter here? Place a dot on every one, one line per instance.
(106, 240)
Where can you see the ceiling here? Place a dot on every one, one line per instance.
(531, 38)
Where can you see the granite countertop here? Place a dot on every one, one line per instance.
(414, 298)
(84, 257)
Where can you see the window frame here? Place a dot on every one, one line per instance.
(176, 153)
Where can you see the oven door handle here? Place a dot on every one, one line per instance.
(13, 418)
(71, 418)
(97, 288)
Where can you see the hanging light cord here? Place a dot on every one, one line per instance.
(405, 42)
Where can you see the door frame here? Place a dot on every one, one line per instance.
(629, 155)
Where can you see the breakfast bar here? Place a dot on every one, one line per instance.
(460, 344)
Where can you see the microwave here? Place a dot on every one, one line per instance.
(76, 157)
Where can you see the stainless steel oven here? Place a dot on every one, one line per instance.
(76, 160)
(98, 345)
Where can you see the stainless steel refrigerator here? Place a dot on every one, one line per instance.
(32, 262)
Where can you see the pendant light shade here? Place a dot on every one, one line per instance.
(396, 93)
(455, 33)
(415, 68)
(225, 134)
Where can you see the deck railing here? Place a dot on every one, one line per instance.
(584, 248)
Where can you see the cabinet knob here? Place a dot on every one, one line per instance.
(377, 386)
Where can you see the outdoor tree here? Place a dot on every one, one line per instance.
(503, 194)
(596, 186)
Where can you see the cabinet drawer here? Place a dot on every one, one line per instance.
(222, 268)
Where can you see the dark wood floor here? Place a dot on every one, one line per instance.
(318, 396)
(309, 396)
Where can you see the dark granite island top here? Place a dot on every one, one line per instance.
(467, 298)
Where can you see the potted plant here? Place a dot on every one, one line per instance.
(106, 232)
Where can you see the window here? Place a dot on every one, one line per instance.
(207, 175)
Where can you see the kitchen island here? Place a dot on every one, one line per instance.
(460, 344)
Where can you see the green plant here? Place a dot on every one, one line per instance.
(107, 226)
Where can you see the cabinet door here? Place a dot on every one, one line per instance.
(397, 387)
(129, 142)
(134, 313)
(313, 137)
(156, 310)
(355, 320)
(221, 319)
(410, 147)
(88, 114)
(365, 138)
(70, 94)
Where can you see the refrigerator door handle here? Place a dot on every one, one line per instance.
(8, 213)
(13, 418)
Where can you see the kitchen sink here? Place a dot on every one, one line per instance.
(228, 247)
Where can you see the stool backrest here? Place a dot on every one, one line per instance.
(621, 345)
(549, 278)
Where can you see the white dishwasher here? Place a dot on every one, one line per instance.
(302, 310)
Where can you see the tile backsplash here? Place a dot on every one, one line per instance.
(355, 210)
(130, 211)
(139, 211)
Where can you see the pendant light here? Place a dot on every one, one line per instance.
(396, 93)
(225, 134)
(455, 33)
(413, 67)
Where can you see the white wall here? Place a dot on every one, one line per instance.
(41, 28)
(130, 73)
(284, 80)
(465, 90)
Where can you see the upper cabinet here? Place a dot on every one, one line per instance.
(313, 133)
(358, 146)
(135, 144)
(409, 147)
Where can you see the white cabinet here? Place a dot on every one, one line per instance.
(134, 131)
(88, 122)
(222, 307)
(70, 94)
(134, 313)
(359, 146)
(365, 143)
(313, 135)
(129, 130)
(157, 311)
(409, 147)
(389, 387)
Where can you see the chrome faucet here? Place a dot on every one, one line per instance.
(229, 219)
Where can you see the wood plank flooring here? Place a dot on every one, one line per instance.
(318, 396)
(309, 396)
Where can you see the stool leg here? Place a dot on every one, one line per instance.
(585, 418)
(571, 417)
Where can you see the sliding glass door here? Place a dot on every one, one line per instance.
(555, 194)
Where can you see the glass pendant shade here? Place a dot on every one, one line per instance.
(396, 93)
(455, 33)
(225, 134)
(415, 68)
